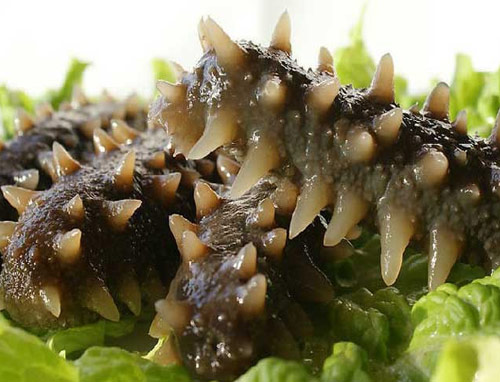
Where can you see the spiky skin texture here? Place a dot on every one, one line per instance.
(26, 151)
(221, 339)
(141, 249)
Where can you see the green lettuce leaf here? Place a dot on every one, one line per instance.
(10, 100)
(73, 77)
(163, 70)
(25, 358)
(347, 363)
(277, 370)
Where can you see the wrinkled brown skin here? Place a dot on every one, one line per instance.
(220, 341)
(143, 248)
(24, 151)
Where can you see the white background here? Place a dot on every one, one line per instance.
(37, 38)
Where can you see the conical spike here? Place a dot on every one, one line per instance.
(157, 160)
(74, 208)
(387, 126)
(460, 123)
(314, 196)
(354, 233)
(227, 169)
(189, 177)
(124, 172)
(27, 179)
(178, 70)
(23, 121)
(107, 97)
(119, 212)
(68, 246)
(46, 161)
(273, 93)
(263, 215)
(221, 129)
(178, 224)
(103, 143)
(432, 168)
(129, 293)
(321, 96)
(172, 92)
(382, 87)
(64, 163)
(192, 248)
(229, 54)
(18, 197)
(133, 105)
(205, 199)
(203, 36)
(437, 103)
(350, 209)
(396, 229)
(159, 328)
(119, 113)
(262, 157)
(445, 247)
(44, 110)
(252, 296)
(325, 61)
(78, 97)
(176, 313)
(165, 187)
(87, 128)
(6, 231)
(273, 243)
(123, 133)
(414, 109)
(359, 146)
(282, 34)
(51, 298)
(495, 132)
(246, 261)
(285, 197)
(205, 167)
(99, 300)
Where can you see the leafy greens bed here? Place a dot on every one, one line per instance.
(368, 333)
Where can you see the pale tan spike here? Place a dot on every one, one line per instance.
(51, 299)
(285, 197)
(47, 164)
(124, 172)
(350, 209)
(64, 163)
(325, 61)
(166, 352)
(157, 160)
(172, 92)
(178, 224)
(273, 243)
(192, 248)
(460, 123)
(129, 293)
(119, 113)
(382, 87)
(43, 110)
(23, 121)
(397, 227)
(202, 35)
(246, 261)
(165, 187)
(103, 143)
(189, 177)
(205, 199)
(282, 34)
(159, 327)
(119, 212)
(263, 215)
(414, 109)
(354, 233)
(27, 179)
(178, 70)
(19, 197)
(122, 132)
(221, 129)
(495, 132)
(205, 167)
(445, 247)
(432, 168)
(314, 196)
(273, 93)
(262, 157)
(387, 126)
(176, 313)
(78, 97)
(87, 128)
(68, 246)
(99, 300)
(359, 146)
(227, 169)
(74, 208)
(321, 95)
(133, 105)
(6, 230)
(252, 296)
(437, 103)
(229, 54)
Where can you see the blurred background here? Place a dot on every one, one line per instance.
(120, 38)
